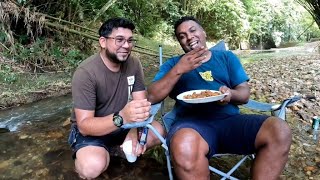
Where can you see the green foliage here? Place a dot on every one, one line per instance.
(313, 7)
(232, 20)
(6, 74)
(158, 154)
(3, 36)
(22, 1)
(143, 12)
(73, 58)
(46, 55)
(310, 27)
(272, 21)
(224, 19)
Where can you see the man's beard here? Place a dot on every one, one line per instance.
(113, 57)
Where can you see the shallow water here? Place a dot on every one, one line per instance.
(36, 147)
(49, 109)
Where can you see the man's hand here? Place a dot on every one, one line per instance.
(191, 60)
(227, 98)
(137, 148)
(135, 111)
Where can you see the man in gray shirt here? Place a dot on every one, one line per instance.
(108, 91)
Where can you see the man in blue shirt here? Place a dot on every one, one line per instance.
(202, 130)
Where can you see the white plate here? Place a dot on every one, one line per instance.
(200, 100)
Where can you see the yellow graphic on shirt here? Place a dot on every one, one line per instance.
(206, 75)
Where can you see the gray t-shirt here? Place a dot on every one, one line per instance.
(95, 87)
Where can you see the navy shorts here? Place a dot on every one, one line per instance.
(234, 135)
(76, 140)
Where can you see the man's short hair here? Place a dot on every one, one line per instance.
(183, 19)
(107, 27)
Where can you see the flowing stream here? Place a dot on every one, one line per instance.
(33, 145)
(44, 110)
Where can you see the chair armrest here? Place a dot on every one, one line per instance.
(280, 111)
(287, 102)
(259, 106)
(154, 109)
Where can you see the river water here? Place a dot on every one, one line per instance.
(49, 109)
(36, 147)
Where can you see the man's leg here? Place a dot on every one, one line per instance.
(188, 151)
(91, 161)
(273, 144)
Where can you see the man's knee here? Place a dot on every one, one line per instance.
(187, 146)
(277, 132)
(90, 166)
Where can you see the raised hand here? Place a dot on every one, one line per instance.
(192, 60)
(136, 110)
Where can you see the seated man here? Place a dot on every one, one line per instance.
(202, 130)
(108, 91)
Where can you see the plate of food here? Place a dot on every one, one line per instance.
(200, 96)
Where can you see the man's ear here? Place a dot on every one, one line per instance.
(102, 42)
(205, 34)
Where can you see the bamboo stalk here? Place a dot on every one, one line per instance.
(64, 28)
(5, 47)
(68, 22)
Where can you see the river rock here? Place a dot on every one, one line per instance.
(4, 130)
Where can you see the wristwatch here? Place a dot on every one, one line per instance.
(117, 119)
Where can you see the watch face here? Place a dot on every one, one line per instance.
(118, 121)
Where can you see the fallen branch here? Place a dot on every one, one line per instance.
(5, 47)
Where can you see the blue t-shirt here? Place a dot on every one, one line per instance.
(223, 68)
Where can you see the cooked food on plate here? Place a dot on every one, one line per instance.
(202, 94)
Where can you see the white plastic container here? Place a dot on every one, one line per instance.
(128, 151)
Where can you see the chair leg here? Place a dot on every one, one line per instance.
(236, 166)
(164, 145)
(169, 165)
(221, 173)
(228, 175)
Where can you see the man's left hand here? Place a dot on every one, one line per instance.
(227, 98)
(137, 148)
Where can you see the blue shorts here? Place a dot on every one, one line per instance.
(234, 135)
(76, 140)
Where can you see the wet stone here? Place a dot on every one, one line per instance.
(4, 130)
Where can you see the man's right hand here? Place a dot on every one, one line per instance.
(191, 60)
(135, 111)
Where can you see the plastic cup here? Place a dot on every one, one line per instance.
(127, 149)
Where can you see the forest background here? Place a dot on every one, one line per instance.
(52, 37)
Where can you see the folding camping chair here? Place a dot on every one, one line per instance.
(168, 118)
